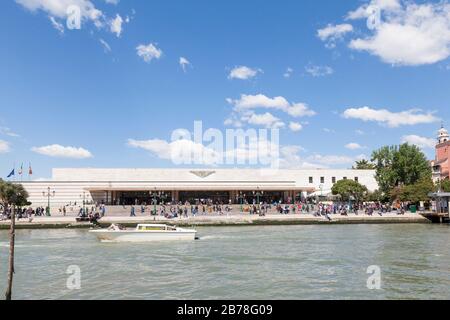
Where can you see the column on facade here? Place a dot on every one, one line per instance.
(233, 194)
(176, 195)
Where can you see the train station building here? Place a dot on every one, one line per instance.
(114, 187)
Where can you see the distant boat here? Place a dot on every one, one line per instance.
(144, 233)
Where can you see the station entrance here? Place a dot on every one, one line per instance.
(127, 198)
(205, 197)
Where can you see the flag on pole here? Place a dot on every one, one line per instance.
(30, 171)
(21, 170)
(11, 174)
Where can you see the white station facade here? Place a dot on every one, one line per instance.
(111, 187)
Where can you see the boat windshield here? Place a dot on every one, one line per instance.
(155, 228)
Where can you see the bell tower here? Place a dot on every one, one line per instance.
(443, 135)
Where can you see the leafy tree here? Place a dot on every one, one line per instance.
(383, 159)
(12, 195)
(349, 189)
(398, 166)
(377, 196)
(411, 165)
(445, 185)
(415, 192)
(364, 165)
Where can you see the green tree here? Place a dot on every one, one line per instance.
(445, 185)
(377, 196)
(364, 165)
(12, 196)
(383, 159)
(415, 193)
(398, 166)
(349, 189)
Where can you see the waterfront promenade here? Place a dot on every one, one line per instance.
(236, 219)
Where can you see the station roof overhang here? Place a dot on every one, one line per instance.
(249, 188)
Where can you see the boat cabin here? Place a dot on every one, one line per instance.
(155, 227)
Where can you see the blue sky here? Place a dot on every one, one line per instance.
(357, 88)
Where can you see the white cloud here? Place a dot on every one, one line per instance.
(288, 73)
(188, 150)
(290, 158)
(57, 25)
(391, 119)
(149, 52)
(184, 63)
(105, 45)
(4, 146)
(419, 141)
(116, 25)
(319, 71)
(57, 12)
(332, 33)
(354, 146)
(58, 8)
(331, 160)
(267, 120)
(8, 132)
(364, 12)
(295, 126)
(244, 111)
(409, 34)
(243, 73)
(156, 146)
(249, 102)
(59, 151)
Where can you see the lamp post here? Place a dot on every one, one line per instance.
(48, 194)
(241, 198)
(258, 194)
(84, 201)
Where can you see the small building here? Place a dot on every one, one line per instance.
(441, 208)
(441, 203)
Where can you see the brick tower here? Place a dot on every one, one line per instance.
(442, 162)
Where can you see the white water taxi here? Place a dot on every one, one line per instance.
(144, 233)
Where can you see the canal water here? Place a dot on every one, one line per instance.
(275, 262)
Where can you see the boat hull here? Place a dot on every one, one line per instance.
(136, 236)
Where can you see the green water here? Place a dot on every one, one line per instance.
(280, 262)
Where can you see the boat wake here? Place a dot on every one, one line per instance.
(218, 237)
(6, 245)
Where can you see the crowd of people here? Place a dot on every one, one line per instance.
(23, 213)
(325, 209)
(185, 210)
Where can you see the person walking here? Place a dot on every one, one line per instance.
(133, 213)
